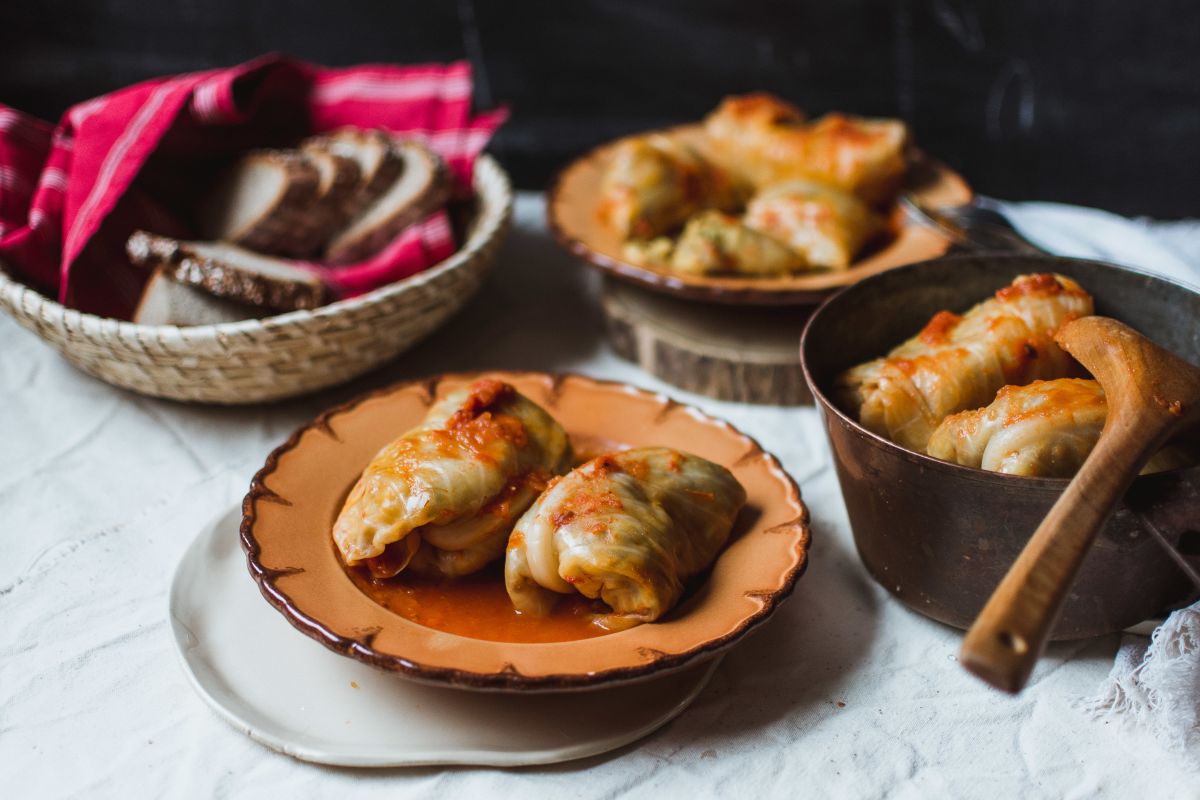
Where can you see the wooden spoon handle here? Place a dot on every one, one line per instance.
(1008, 636)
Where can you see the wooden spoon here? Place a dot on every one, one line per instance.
(1151, 394)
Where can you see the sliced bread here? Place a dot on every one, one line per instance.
(378, 162)
(229, 271)
(168, 302)
(421, 188)
(264, 202)
(337, 195)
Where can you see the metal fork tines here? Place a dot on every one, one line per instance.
(973, 227)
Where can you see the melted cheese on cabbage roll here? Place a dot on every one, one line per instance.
(768, 141)
(443, 497)
(959, 363)
(627, 528)
(654, 183)
(825, 225)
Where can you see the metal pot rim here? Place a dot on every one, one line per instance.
(958, 471)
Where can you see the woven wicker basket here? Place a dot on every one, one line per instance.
(281, 356)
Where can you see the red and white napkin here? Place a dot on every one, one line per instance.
(70, 196)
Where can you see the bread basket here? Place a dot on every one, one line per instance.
(281, 356)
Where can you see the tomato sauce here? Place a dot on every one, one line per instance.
(478, 606)
(937, 331)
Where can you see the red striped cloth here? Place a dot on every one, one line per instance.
(70, 196)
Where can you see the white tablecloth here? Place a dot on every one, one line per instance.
(845, 692)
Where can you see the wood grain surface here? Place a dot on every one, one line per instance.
(748, 355)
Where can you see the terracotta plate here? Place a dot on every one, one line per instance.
(571, 210)
(294, 499)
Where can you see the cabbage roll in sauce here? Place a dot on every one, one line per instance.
(628, 528)
(768, 140)
(443, 498)
(1045, 429)
(716, 242)
(655, 183)
(825, 225)
(959, 363)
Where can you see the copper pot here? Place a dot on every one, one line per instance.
(940, 536)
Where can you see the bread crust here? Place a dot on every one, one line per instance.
(221, 275)
(346, 142)
(285, 226)
(428, 189)
(337, 196)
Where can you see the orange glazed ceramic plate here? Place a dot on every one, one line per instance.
(572, 214)
(293, 501)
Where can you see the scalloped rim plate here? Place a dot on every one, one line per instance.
(295, 497)
(299, 699)
(571, 214)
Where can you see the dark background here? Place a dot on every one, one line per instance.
(1086, 101)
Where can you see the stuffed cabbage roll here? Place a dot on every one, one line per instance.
(1044, 430)
(768, 141)
(654, 252)
(716, 242)
(626, 528)
(751, 116)
(825, 225)
(442, 498)
(959, 363)
(654, 183)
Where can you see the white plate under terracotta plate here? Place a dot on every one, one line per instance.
(296, 496)
(572, 214)
(296, 697)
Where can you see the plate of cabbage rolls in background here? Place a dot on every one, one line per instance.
(758, 204)
(522, 531)
(955, 421)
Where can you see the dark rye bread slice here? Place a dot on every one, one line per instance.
(168, 302)
(229, 271)
(265, 202)
(339, 181)
(421, 188)
(378, 162)
(337, 192)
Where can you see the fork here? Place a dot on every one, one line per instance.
(973, 227)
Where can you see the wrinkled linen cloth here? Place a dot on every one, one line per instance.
(1155, 684)
(71, 195)
(843, 693)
